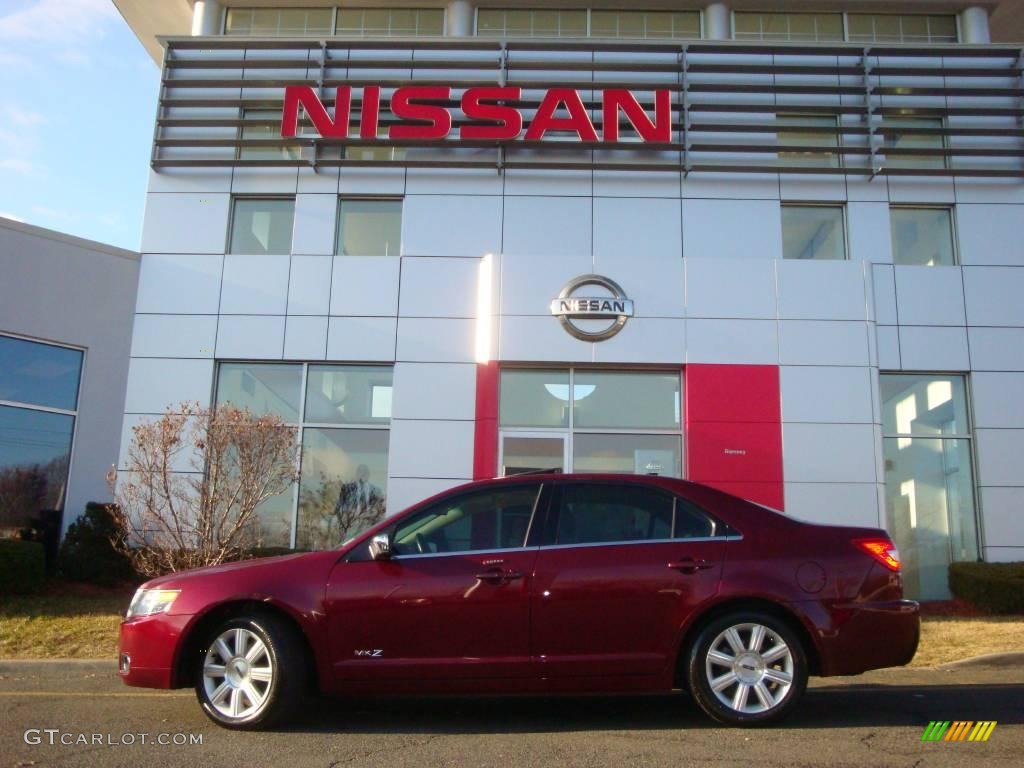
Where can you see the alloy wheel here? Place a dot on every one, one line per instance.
(237, 673)
(749, 668)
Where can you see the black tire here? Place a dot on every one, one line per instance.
(762, 676)
(285, 656)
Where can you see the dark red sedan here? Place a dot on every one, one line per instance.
(536, 584)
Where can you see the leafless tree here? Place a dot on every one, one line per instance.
(177, 513)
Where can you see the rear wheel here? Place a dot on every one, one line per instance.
(252, 673)
(747, 668)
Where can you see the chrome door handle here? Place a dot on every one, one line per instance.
(497, 576)
(689, 565)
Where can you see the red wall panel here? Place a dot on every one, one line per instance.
(734, 430)
(485, 436)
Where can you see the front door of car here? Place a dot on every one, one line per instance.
(613, 585)
(451, 605)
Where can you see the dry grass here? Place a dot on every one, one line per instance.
(84, 626)
(61, 626)
(950, 638)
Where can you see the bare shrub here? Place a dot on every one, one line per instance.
(206, 512)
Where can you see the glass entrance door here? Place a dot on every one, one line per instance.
(523, 452)
(590, 420)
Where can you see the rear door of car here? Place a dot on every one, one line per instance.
(619, 568)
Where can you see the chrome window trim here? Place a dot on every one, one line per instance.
(642, 541)
(468, 552)
(568, 546)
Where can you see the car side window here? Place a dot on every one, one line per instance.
(594, 514)
(496, 518)
(693, 523)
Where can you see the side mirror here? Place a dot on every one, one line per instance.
(380, 547)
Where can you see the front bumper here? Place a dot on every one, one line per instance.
(147, 650)
(863, 636)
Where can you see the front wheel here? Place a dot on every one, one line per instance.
(252, 673)
(747, 669)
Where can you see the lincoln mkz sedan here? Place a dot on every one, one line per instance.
(538, 584)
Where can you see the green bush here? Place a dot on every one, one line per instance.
(994, 587)
(88, 554)
(22, 566)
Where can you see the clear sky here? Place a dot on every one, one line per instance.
(77, 101)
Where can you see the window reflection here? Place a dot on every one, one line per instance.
(39, 374)
(369, 227)
(343, 476)
(262, 226)
(922, 236)
(627, 400)
(348, 394)
(262, 388)
(35, 444)
(928, 478)
(35, 451)
(813, 232)
(342, 490)
(638, 454)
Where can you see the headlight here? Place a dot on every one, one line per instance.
(150, 601)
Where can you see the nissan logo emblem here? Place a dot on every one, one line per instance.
(569, 307)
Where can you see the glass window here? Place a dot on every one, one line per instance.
(35, 452)
(262, 388)
(645, 24)
(39, 374)
(348, 394)
(813, 232)
(390, 22)
(808, 27)
(626, 400)
(343, 474)
(926, 406)
(532, 454)
(637, 454)
(692, 523)
(502, 22)
(929, 483)
(915, 133)
(278, 22)
(376, 154)
(922, 236)
(592, 514)
(613, 421)
(262, 225)
(369, 227)
(906, 28)
(265, 125)
(342, 488)
(35, 444)
(812, 131)
(534, 398)
(484, 520)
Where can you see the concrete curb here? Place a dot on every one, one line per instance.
(986, 660)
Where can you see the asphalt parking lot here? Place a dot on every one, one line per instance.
(873, 720)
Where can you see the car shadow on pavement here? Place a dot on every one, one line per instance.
(842, 706)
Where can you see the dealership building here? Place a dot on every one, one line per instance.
(771, 250)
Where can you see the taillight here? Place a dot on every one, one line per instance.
(883, 550)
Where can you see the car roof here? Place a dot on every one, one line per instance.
(625, 478)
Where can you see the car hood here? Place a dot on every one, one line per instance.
(180, 577)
